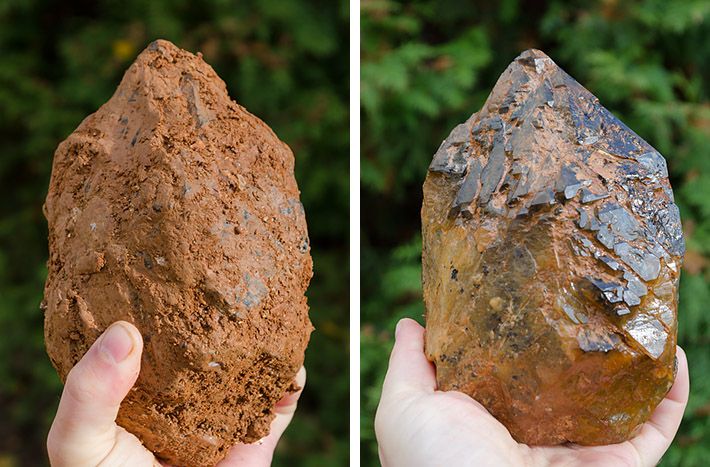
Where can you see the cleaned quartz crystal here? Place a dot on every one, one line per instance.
(552, 253)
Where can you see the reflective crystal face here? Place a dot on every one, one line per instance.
(552, 252)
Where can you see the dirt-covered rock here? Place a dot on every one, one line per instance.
(174, 208)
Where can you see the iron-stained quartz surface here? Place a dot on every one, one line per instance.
(552, 252)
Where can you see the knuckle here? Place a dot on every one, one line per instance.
(80, 385)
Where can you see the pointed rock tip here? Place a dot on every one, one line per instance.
(161, 46)
(161, 43)
(537, 60)
(532, 53)
(163, 68)
(166, 49)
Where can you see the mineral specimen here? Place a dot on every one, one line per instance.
(551, 257)
(174, 208)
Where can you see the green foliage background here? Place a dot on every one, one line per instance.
(285, 60)
(428, 64)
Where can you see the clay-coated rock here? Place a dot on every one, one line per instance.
(174, 208)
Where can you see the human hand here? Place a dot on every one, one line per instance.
(84, 432)
(417, 425)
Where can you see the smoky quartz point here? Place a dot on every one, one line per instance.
(552, 251)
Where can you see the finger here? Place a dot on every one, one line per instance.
(84, 429)
(408, 366)
(260, 454)
(287, 404)
(657, 434)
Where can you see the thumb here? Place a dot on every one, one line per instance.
(408, 366)
(84, 429)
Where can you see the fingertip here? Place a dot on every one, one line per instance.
(398, 327)
(135, 334)
(108, 370)
(409, 337)
(658, 433)
(119, 342)
(130, 327)
(301, 377)
(682, 358)
(407, 327)
(408, 364)
(288, 403)
(680, 390)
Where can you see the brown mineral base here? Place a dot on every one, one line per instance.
(175, 209)
(551, 257)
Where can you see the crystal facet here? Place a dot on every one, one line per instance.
(551, 260)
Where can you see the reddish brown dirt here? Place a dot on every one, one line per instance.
(174, 208)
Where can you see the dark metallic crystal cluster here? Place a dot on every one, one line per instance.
(545, 191)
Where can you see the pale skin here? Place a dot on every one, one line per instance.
(84, 432)
(418, 425)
